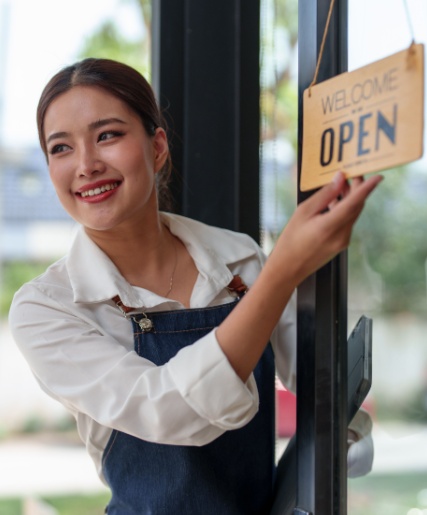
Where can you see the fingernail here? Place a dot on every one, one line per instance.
(337, 178)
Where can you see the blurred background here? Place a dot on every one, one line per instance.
(43, 467)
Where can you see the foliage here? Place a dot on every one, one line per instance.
(279, 98)
(109, 42)
(11, 506)
(36, 423)
(391, 494)
(389, 238)
(79, 504)
(64, 505)
(14, 275)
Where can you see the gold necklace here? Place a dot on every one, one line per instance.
(174, 268)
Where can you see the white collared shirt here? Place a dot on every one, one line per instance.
(80, 346)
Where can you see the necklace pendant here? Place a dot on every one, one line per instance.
(145, 324)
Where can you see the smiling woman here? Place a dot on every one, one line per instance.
(127, 87)
(96, 144)
(145, 332)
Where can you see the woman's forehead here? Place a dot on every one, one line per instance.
(83, 105)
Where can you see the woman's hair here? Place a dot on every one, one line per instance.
(121, 81)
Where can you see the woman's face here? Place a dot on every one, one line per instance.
(101, 160)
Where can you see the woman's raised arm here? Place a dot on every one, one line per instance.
(319, 229)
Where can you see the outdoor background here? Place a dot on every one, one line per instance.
(43, 466)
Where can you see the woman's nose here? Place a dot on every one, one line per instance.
(90, 162)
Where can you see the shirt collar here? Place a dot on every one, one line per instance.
(95, 278)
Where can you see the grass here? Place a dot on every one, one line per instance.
(388, 494)
(80, 505)
(10, 507)
(64, 505)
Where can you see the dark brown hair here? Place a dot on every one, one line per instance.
(123, 82)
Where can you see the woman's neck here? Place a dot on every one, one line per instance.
(151, 257)
(138, 250)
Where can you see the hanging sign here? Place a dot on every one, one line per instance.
(366, 120)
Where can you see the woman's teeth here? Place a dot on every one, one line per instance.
(101, 189)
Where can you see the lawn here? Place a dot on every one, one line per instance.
(388, 494)
(66, 505)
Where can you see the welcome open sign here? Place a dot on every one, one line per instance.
(366, 120)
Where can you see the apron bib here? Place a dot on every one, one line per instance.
(233, 475)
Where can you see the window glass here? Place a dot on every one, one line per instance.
(387, 282)
(387, 258)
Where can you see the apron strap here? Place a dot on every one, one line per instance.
(236, 285)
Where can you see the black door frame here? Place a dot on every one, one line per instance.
(206, 73)
(322, 308)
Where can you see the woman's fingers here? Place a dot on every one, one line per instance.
(321, 200)
(356, 182)
(314, 234)
(355, 199)
(336, 225)
(341, 219)
(340, 194)
(329, 195)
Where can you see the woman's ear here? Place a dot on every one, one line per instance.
(161, 148)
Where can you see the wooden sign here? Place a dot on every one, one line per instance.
(366, 120)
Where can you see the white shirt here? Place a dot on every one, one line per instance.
(80, 346)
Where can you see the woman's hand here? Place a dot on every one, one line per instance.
(321, 226)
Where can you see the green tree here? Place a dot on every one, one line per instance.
(279, 99)
(108, 41)
(390, 235)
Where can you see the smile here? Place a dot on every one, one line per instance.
(98, 191)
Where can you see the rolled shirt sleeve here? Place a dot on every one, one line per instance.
(226, 404)
(191, 400)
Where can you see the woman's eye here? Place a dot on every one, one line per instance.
(57, 149)
(104, 136)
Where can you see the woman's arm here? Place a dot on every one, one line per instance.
(313, 236)
(191, 400)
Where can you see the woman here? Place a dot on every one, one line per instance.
(142, 331)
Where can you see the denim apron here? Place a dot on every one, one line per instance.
(233, 475)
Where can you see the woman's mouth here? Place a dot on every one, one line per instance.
(99, 190)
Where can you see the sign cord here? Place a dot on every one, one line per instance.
(325, 33)
(409, 19)
(322, 46)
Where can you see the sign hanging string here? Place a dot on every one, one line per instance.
(322, 46)
(325, 33)
(408, 18)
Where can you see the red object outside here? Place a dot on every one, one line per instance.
(286, 412)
